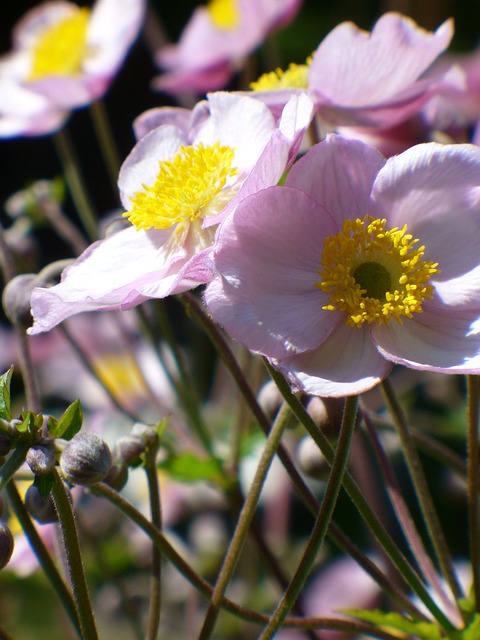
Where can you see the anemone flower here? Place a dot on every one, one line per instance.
(176, 187)
(366, 79)
(216, 41)
(63, 57)
(355, 264)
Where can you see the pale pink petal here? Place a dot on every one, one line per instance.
(435, 190)
(338, 174)
(215, 76)
(153, 118)
(267, 253)
(346, 364)
(142, 165)
(354, 68)
(116, 273)
(445, 340)
(31, 26)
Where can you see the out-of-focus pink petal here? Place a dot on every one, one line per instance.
(338, 174)
(200, 80)
(445, 340)
(353, 68)
(346, 364)
(268, 252)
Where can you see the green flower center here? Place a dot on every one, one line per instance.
(373, 274)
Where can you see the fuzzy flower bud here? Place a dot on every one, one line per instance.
(6, 544)
(311, 460)
(86, 459)
(40, 507)
(147, 433)
(16, 299)
(41, 460)
(128, 450)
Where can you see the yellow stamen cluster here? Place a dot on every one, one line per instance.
(61, 49)
(183, 188)
(294, 77)
(374, 274)
(224, 13)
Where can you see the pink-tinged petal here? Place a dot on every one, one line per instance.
(201, 80)
(277, 156)
(267, 255)
(25, 113)
(113, 27)
(33, 24)
(142, 164)
(158, 116)
(435, 190)
(354, 68)
(443, 340)
(339, 174)
(116, 273)
(346, 364)
(66, 92)
(244, 124)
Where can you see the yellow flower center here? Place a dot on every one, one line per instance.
(294, 77)
(186, 188)
(121, 374)
(61, 49)
(224, 13)
(374, 274)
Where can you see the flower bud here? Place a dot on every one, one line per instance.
(117, 477)
(86, 459)
(311, 460)
(5, 445)
(41, 508)
(16, 299)
(326, 413)
(41, 459)
(146, 433)
(6, 544)
(2, 505)
(128, 451)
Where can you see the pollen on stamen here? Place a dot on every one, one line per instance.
(184, 188)
(294, 77)
(61, 49)
(373, 274)
(224, 13)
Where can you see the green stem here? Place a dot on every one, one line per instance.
(13, 463)
(103, 490)
(422, 491)
(78, 191)
(74, 559)
(361, 504)
(338, 536)
(473, 385)
(322, 522)
(246, 514)
(106, 142)
(42, 555)
(156, 570)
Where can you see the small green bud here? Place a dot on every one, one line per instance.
(6, 544)
(85, 459)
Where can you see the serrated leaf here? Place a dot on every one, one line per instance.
(392, 620)
(44, 484)
(186, 467)
(69, 423)
(5, 380)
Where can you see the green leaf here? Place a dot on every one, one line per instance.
(5, 380)
(30, 423)
(69, 423)
(423, 630)
(472, 632)
(186, 467)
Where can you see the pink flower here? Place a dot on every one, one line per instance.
(365, 79)
(63, 57)
(355, 264)
(216, 41)
(176, 186)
